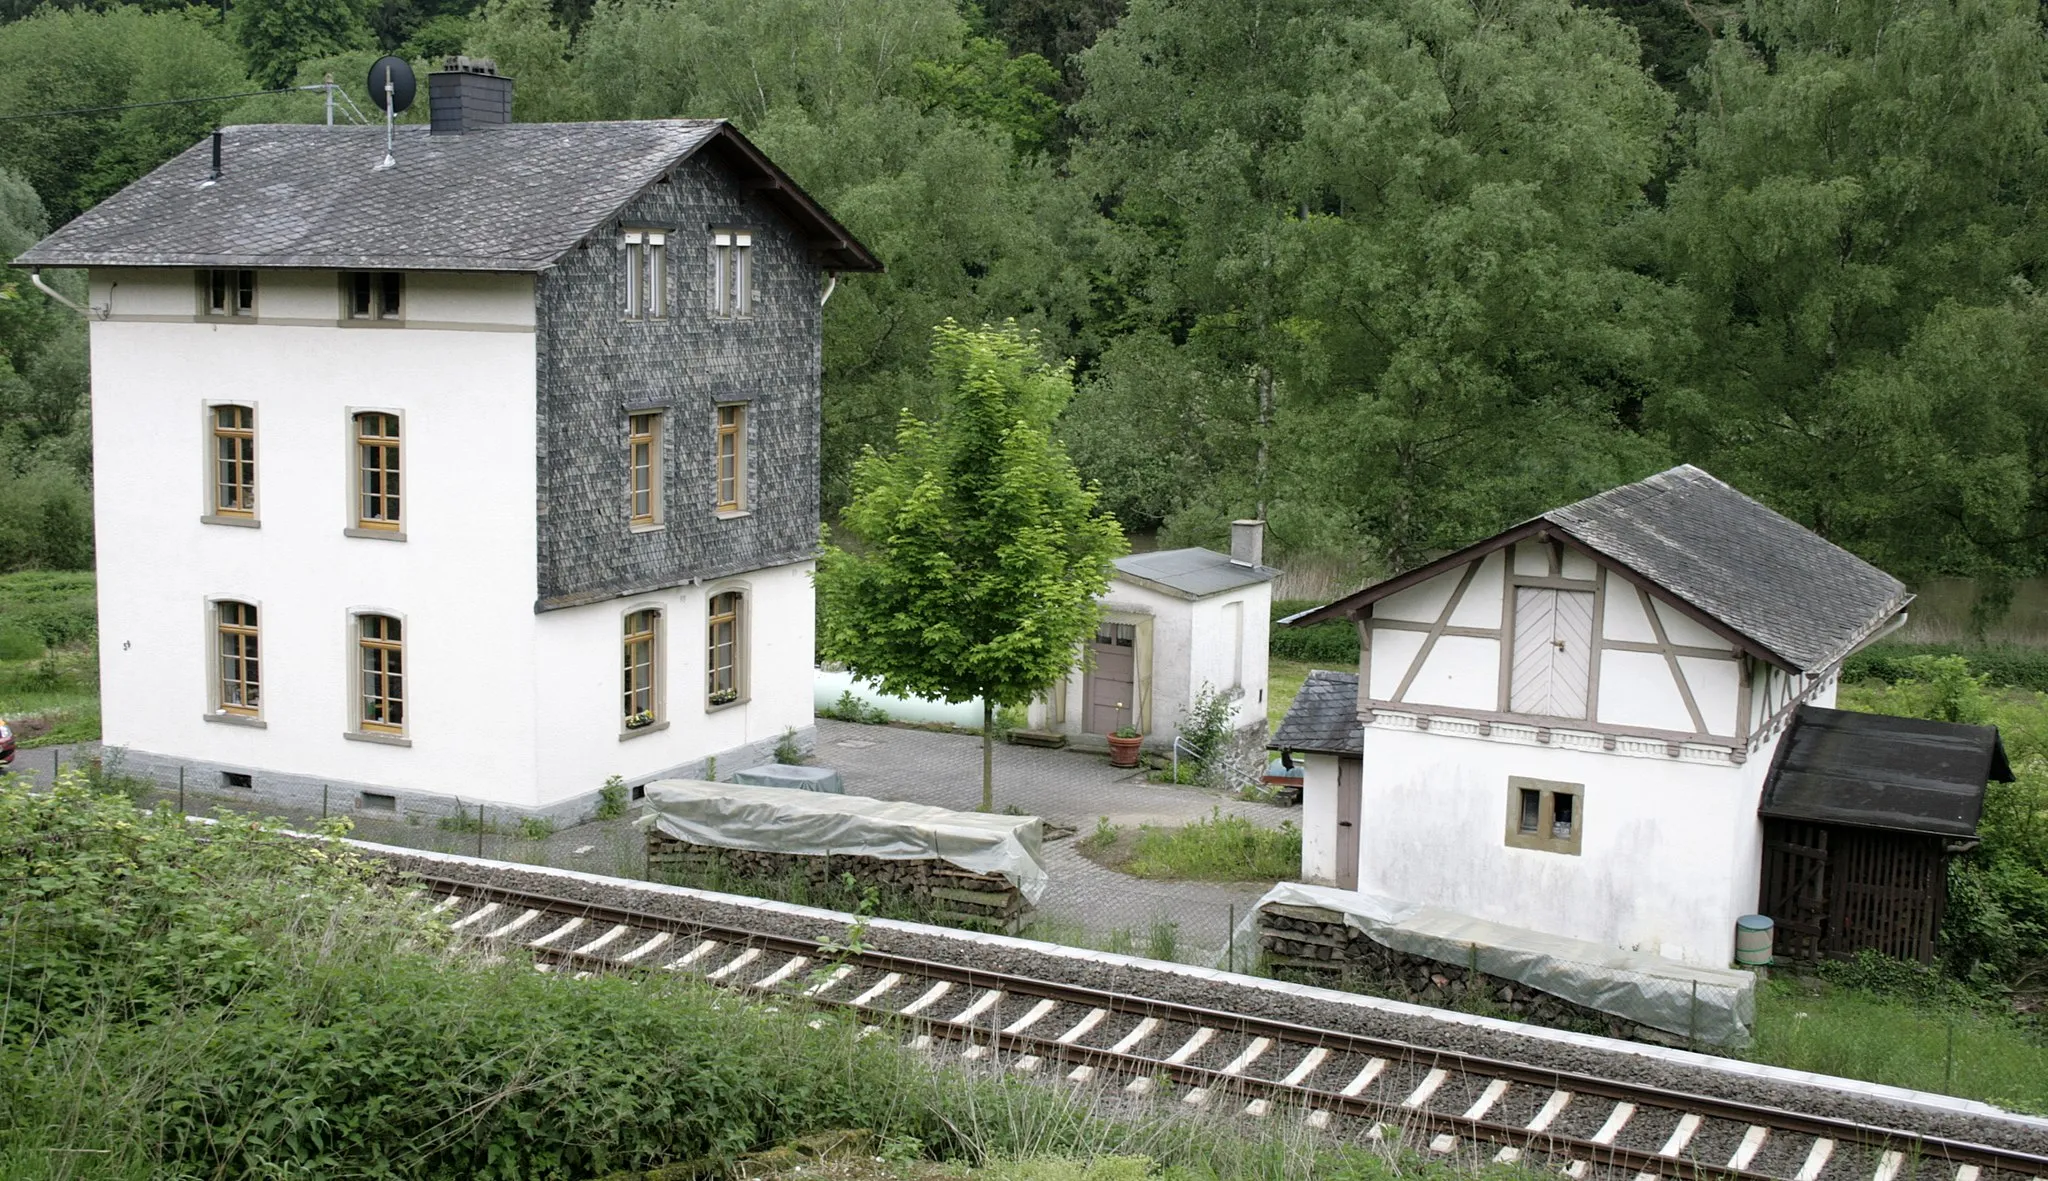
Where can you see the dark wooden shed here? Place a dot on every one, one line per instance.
(1861, 813)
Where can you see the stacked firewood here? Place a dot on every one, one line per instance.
(1318, 943)
(942, 891)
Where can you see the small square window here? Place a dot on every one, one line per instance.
(374, 295)
(228, 293)
(1544, 815)
(239, 780)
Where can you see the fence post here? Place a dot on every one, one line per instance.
(56, 764)
(323, 801)
(479, 830)
(1948, 1070)
(1230, 939)
(1692, 1023)
(181, 789)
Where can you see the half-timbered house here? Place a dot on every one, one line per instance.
(1567, 726)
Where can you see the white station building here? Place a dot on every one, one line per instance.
(480, 478)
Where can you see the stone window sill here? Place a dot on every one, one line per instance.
(236, 720)
(375, 534)
(725, 705)
(650, 527)
(237, 522)
(732, 514)
(644, 731)
(379, 739)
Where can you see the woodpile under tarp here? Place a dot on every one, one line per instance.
(967, 866)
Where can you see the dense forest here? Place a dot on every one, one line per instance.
(1395, 273)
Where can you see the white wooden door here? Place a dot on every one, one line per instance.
(1553, 652)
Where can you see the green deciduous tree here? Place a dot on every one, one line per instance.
(979, 553)
(277, 35)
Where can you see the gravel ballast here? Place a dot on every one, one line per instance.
(1918, 1112)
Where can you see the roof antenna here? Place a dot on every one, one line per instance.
(392, 76)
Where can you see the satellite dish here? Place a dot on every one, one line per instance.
(399, 74)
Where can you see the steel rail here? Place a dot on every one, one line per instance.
(1841, 1131)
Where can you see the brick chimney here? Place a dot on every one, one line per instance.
(467, 93)
(1247, 542)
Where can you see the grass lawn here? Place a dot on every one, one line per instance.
(1808, 1024)
(1283, 680)
(1219, 849)
(49, 658)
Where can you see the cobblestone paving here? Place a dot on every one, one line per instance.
(1084, 902)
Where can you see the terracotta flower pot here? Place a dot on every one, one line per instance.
(1123, 752)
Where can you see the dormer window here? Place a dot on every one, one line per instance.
(228, 293)
(732, 278)
(374, 295)
(646, 277)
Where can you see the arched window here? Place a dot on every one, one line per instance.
(239, 691)
(640, 673)
(726, 636)
(380, 677)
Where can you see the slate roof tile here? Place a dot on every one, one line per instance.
(1323, 718)
(1193, 573)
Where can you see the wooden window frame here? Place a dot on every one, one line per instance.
(389, 470)
(732, 273)
(641, 648)
(383, 297)
(655, 300)
(1545, 839)
(380, 658)
(235, 288)
(631, 255)
(644, 475)
(729, 470)
(725, 684)
(243, 438)
(644, 254)
(238, 693)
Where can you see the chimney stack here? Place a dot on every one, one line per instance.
(1247, 542)
(467, 93)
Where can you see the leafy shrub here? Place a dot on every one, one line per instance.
(19, 643)
(61, 608)
(1332, 644)
(852, 709)
(2000, 665)
(611, 799)
(787, 751)
(535, 828)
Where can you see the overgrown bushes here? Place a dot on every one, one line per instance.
(60, 608)
(1333, 645)
(2003, 665)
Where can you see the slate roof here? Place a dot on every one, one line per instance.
(1323, 718)
(513, 198)
(1191, 573)
(1785, 592)
(1875, 771)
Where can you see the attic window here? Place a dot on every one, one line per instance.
(732, 273)
(375, 295)
(1543, 815)
(228, 293)
(646, 277)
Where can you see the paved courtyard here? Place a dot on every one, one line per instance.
(1069, 788)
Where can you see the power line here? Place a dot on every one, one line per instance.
(168, 102)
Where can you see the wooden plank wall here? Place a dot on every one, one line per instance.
(1833, 891)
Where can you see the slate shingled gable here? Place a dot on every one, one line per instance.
(1781, 590)
(1323, 718)
(516, 198)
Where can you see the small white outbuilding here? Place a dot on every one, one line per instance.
(1568, 727)
(1173, 621)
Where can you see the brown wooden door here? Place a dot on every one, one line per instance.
(1350, 789)
(1795, 888)
(1112, 684)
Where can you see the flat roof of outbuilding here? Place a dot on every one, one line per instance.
(1878, 771)
(1192, 573)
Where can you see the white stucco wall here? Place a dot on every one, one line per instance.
(1318, 818)
(1668, 847)
(462, 581)
(578, 708)
(1220, 641)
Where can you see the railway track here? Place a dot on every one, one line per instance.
(1352, 1085)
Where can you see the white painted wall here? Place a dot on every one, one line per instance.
(1318, 818)
(579, 704)
(1220, 641)
(463, 581)
(1668, 848)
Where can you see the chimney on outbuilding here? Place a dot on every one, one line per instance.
(1247, 542)
(467, 93)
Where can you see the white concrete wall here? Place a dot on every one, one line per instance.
(1668, 848)
(463, 580)
(578, 709)
(1318, 818)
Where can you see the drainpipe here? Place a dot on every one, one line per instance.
(831, 286)
(36, 277)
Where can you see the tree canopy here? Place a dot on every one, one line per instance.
(978, 554)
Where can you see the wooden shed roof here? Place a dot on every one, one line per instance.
(1877, 771)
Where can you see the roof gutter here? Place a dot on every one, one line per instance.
(36, 277)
